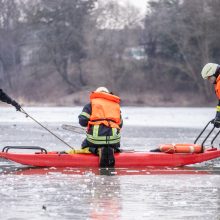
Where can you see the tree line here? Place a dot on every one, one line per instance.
(70, 46)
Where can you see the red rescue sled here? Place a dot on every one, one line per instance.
(125, 159)
(173, 155)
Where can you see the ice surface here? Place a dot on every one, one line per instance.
(51, 193)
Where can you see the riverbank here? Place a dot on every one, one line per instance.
(148, 99)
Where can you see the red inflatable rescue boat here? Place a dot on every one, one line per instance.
(124, 159)
(169, 155)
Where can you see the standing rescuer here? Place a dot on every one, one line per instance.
(211, 72)
(102, 117)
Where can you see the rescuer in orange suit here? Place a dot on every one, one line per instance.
(5, 98)
(102, 117)
(211, 72)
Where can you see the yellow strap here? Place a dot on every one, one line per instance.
(80, 151)
(99, 152)
(218, 108)
(96, 131)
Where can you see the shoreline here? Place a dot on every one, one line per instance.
(147, 99)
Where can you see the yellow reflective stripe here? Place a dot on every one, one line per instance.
(103, 138)
(95, 131)
(218, 108)
(96, 139)
(103, 142)
(85, 114)
(114, 131)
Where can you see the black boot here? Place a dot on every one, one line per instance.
(106, 156)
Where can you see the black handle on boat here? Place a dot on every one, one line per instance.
(214, 139)
(6, 148)
(203, 131)
(203, 147)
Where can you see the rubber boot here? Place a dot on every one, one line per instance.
(106, 157)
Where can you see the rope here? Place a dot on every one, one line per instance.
(27, 115)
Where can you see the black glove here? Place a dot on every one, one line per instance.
(217, 120)
(16, 105)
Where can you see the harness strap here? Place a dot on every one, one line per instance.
(103, 119)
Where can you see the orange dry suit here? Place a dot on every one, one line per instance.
(216, 121)
(217, 92)
(103, 120)
(217, 87)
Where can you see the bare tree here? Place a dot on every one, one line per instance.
(179, 38)
(59, 26)
(117, 29)
(10, 40)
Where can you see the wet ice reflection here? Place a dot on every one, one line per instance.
(85, 194)
(166, 193)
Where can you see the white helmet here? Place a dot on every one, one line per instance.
(209, 70)
(102, 89)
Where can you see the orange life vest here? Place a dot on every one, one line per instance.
(217, 87)
(105, 109)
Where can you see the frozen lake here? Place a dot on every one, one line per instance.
(192, 192)
(133, 116)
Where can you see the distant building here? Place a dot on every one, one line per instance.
(137, 53)
(30, 49)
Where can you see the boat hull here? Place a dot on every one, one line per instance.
(131, 159)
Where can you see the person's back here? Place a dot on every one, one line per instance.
(102, 117)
